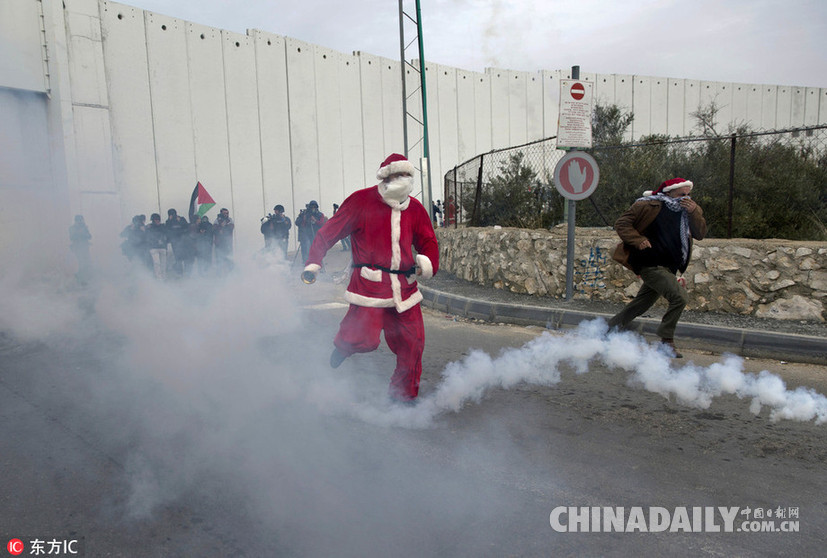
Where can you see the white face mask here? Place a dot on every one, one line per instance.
(397, 189)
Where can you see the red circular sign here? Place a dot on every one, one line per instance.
(578, 91)
(576, 175)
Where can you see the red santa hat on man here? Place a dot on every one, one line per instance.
(669, 185)
(395, 190)
(394, 164)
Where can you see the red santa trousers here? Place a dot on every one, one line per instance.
(404, 334)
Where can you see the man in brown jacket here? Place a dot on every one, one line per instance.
(658, 230)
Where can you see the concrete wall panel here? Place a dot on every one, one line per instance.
(517, 109)
(21, 50)
(740, 99)
(676, 107)
(392, 106)
(822, 106)
(370, 76)
(724, 98)
(500, 117)
(328, 118)
(274, 123)
(93, 146)
(434, 128)
(659, 106)
(171, 110)
(769, 107)
(133, 134)
(245, 144)
(784, 107)
(534, 106)
(350, 105)
(692, 89)
(301, 82)
(604, 89)
(24, 144)
(754, 102)
(551, 101)
(207, 92)
(797, 103)
(448, 143)
(641, 106)
(483, 113)
(86, 65)
(625, 98)
(466, 120)
(811, 101)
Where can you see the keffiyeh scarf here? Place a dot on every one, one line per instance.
(674, 204)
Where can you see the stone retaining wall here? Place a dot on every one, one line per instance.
(765, 278)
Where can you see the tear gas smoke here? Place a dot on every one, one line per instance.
(539, 363)
(224, 383)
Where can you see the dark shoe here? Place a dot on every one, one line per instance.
(337, 358)
(670, 343)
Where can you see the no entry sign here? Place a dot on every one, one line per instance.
(576, 175)
(578, 91)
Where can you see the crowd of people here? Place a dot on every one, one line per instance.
(176, 248)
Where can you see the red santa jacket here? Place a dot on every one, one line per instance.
(381, 239)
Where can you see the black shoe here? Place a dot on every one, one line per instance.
(336, 358)
(670, 343)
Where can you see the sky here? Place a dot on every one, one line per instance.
(780, 42)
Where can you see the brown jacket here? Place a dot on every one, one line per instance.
(634, 220)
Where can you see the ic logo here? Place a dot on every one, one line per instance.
(15, 547)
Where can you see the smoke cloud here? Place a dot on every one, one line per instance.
(221, 386)
(539, 363)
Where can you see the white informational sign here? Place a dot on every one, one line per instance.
(576, 175)
(574, 125)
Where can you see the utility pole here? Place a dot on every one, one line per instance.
(422, 125)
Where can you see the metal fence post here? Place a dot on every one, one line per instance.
(731, 184)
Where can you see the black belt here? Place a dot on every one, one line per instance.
(405, 272)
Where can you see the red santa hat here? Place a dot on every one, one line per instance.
(394, 164)
(669, 185)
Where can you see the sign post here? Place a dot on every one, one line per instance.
(572, 175)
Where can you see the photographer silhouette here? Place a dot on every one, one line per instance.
(309, 221)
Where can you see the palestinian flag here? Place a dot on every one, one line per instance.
(200, 202)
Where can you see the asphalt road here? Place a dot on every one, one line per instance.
(250, 446)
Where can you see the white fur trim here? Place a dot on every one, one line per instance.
(425, 265)
(402, 306)
(374, 275)
(395, 204)
(679, 185)
(647, 193)
(409, 302)
(315, 268)
(396, 234)
(362, 300)
(394, 168)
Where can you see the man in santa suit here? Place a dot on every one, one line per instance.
(383, 223)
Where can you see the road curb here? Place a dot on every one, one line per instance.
(742, 342)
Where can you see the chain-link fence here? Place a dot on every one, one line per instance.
(750, 184)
